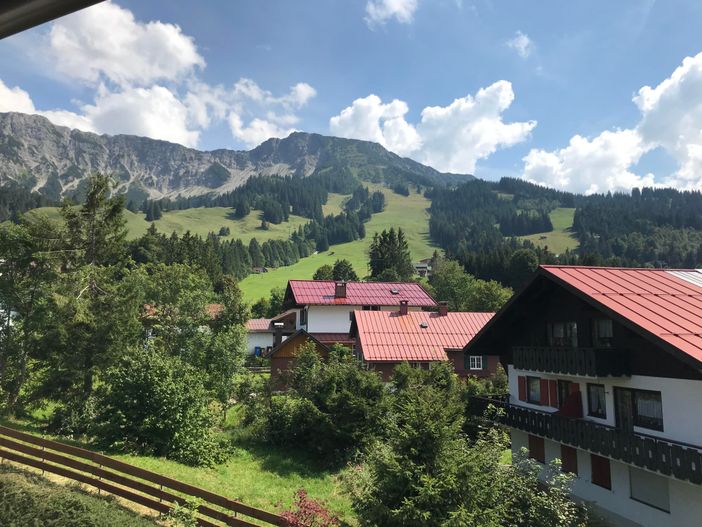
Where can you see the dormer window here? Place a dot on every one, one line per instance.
(563, 334)
(603, 333)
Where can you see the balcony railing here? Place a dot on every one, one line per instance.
(593, 362)
(681, 460)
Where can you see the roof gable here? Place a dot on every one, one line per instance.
(664, 306)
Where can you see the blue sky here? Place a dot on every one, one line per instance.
(551, 91)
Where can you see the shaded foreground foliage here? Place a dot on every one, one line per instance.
(27, 499)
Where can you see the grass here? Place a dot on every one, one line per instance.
(202, 221)
(30, 499)
(258, 475)
(561, 238)
(409, 212)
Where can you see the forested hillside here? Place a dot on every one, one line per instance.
(480, 223)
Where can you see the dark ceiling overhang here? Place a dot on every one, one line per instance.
(18, 15)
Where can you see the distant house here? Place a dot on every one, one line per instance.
(259, 270)
(423, 267)
(385, 339)
(325, 306)
(265, 333)
(605, 374)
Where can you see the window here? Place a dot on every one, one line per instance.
(370, 308)
(569, 459)
(534, 390)
(596, 406)
(476, 362)
(537, 449)
(649, 488)
(648, 409)
(600, 475)
(563, 334)
(303, 317)
(603, 332)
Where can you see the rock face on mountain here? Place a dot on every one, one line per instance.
(55, 160)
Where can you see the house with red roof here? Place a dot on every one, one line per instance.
(324, 307)
(384, 339)
(263, 334)
(605, 374)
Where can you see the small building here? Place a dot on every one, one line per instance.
(385, 339)
(605, 373)
(265, 333)
(259, 270)
(423, 267)
(325, 306)
(283, 354)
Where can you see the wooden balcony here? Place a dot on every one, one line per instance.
(591, 362)
(670, 458)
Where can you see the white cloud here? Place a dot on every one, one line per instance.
(268, 116)
(105, 42)
(152, 112)
(598, 165)
(671, 118)
(450, 138)
(15, 100)
(368, 118)
(380, 11)
(521, 44)
(145, 77)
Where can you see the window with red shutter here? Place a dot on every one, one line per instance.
(537, 449)
(601, 475)
(569, 459)
(521, 382)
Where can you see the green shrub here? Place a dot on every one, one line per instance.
(157, 405)
(30, 500)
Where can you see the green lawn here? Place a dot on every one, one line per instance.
(202, 221)
(561, 238)
(409, 212)
(257, 474)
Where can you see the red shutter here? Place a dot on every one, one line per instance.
(574, 387)
(521, 381)
(544, 392)
(553, 393)
(600, 471)
(537, 448)
(569, 459)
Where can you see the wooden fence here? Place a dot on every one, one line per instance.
(135, 484)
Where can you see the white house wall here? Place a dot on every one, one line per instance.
(262, 340)
(678, 397)
(336, 319)
(616, 504)
(680, 423)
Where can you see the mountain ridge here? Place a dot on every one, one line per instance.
(55, 160)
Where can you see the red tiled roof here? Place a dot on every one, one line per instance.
(321, 292)
(258, 324)
(387, 336)
(333, 338)
(666, 303)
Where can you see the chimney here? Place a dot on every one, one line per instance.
(278, 333)
(340, 290)
(403, 307)
(443, 308)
